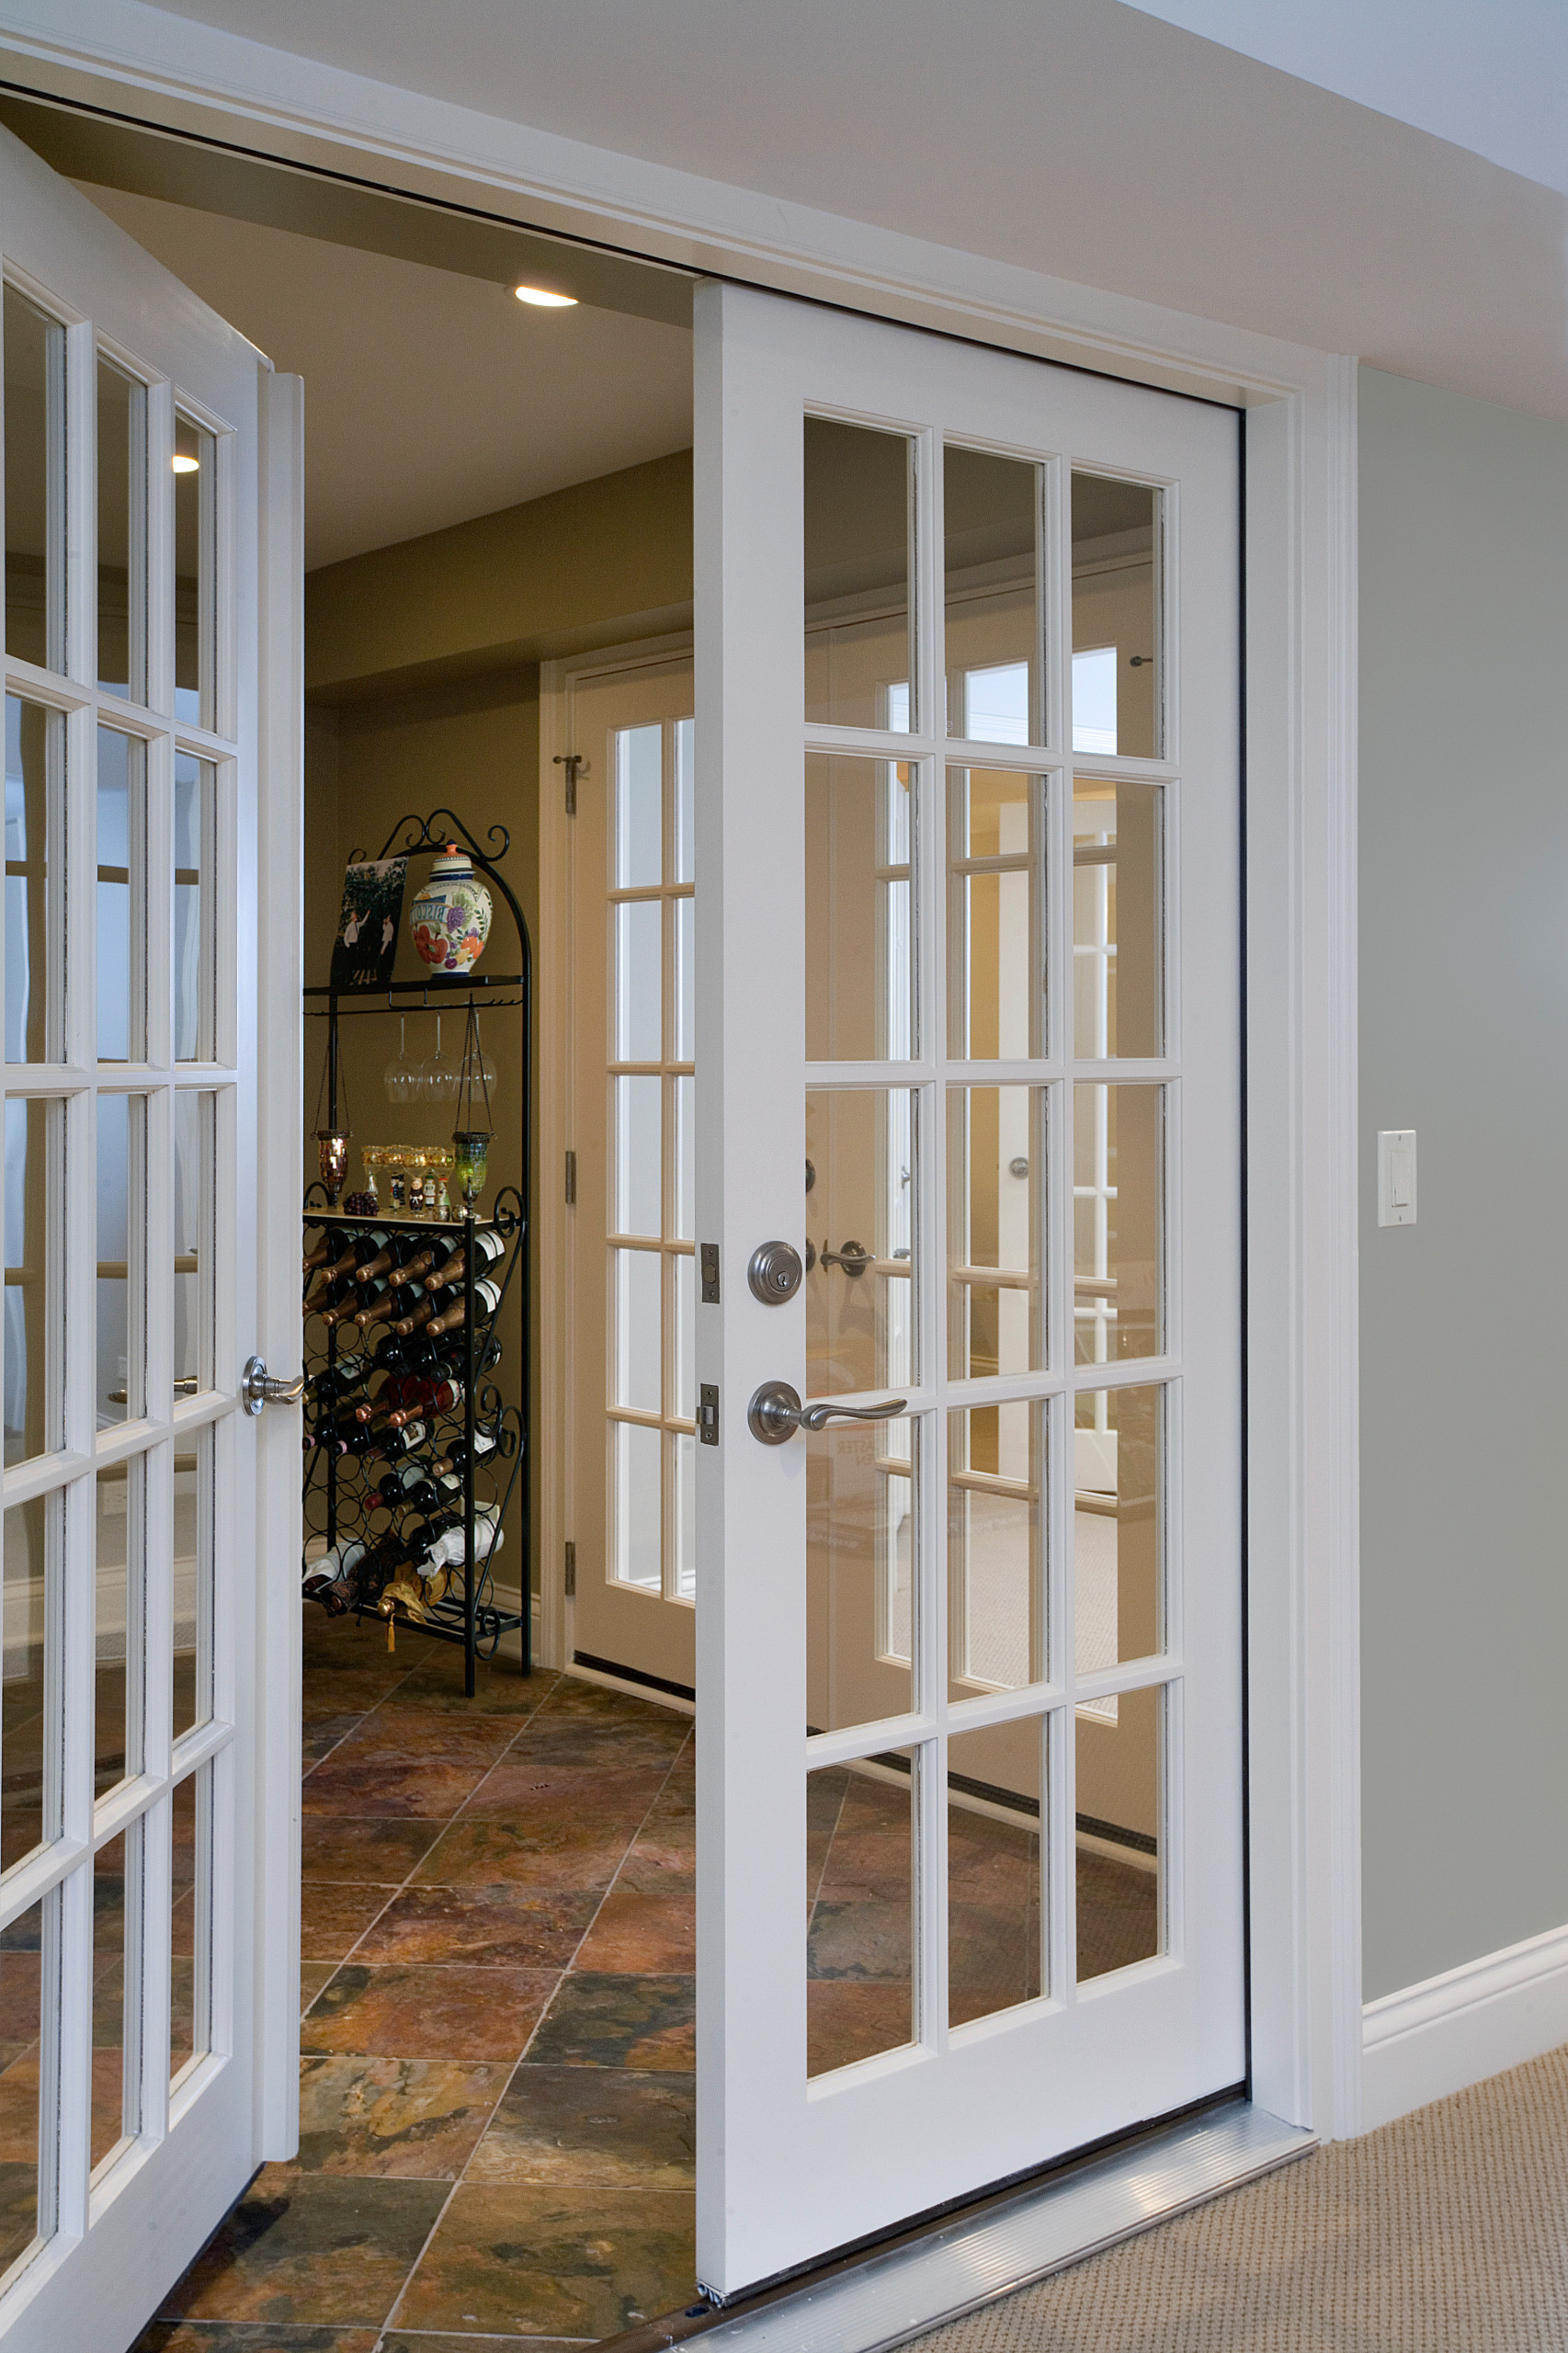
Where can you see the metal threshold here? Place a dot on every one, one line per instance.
(867, 2306)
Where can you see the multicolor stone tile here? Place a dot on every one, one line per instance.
(333, 1917)
(490, 1926)
(348, 1782)
(612, 2021)
(634, 1931)
(501, 1690)
(848, 2020)
(365, 1850)
(511, 2258)
(412, 2119)
(604, 2127)
(398, 2340)
(314, 1975)
(526, 1852)
(310, 2248)
(391, 2011)
(531, 1790)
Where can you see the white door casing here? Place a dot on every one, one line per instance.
(200, 1820)
(792, 2167)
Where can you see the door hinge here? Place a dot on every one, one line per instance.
(708, 1414)
(711, 1274)
(574, 763)
(571, 1571)
(571, 1180)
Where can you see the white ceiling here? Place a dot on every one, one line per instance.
(1082, 138)
(1491, 76)
(429, 397)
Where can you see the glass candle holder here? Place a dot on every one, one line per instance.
(370, 1161)
(397, 1182)
(332, 1153)
(470, 1147)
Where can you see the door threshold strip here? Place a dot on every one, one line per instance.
(885, 2299)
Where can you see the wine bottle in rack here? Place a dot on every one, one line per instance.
(323, 1251)
(486, 1298)
(487, 1247)
(413, 1269)
(456, 1455)
(393, 1444)
(338, 1380)
(337, 1562)
(355, 1253)
(360, 1307)
(386, 1301)
(331, 1294)
(398, 1249)
(409, 1486)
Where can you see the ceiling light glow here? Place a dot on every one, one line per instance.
(184, 465)
(542, 298)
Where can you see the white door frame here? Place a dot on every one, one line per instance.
(1301, 796)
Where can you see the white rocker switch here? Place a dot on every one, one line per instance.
(1396, 1176)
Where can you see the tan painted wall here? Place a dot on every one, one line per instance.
(422, 670)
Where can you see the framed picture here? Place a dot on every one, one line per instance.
(365, 949)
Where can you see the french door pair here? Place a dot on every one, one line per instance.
(965, 1560)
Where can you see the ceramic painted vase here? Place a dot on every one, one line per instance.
(451, 915)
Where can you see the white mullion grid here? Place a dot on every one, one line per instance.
(669, 1174)
(160, 550)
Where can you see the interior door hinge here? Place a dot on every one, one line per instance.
(574, 763)
(571, 1180)
(571, 1571)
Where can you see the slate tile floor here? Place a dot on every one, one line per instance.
(496, 2074)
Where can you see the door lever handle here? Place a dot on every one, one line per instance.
(259, 1387)
(775, 1413)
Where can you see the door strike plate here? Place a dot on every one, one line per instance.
(708, 1414)
(710, 1274)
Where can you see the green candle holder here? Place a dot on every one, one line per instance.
(470, 1148)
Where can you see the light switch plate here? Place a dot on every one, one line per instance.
(1396, 1176)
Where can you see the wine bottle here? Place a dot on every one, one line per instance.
(456, 1455)
(413, 1268)
(398, 1250)
(322, 1253)
(409, 1486)
(450, 1552)
(487, 1248)
(331, 1294)
(399, 1353)
(394, 1443)
(436, 1397)
(338, 1380)
(361, 1248)
(337, 1562)
(422, 1313)
(360, 1307)
(486, 1298)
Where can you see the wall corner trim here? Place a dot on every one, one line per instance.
(1449, 2032)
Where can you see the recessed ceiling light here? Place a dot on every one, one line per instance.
(543, 300)
(183, 465)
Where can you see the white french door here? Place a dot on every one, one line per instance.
(632, 1443)
(139, 2082)
(968, 1040)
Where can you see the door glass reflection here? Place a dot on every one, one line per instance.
(194, 952)
(193, 1570)
(34, 483)
(860, 521)
(996, 956)
(995, 1294)
(123, 1189)
(190, 1916)
(194, 1146)
(996, 1528)
(117, 1546)
(35, 1368)
(34, 1534)
(860, 1826)
(1116, 651)
(122, 895)
(1118, 1527)
(859, 957)
(860, 1313)
(122, 534)
(637, 1517)
(1120, 1776)
(22, 1950)
(1118, 1222)
(114, 2080)
(860, 1525)
(995, 1950)
(990, 525)
(1117, 918)
(196, 572)
(34, 811)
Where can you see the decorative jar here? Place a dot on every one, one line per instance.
(451, 915)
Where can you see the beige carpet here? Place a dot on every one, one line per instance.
(1446, 2232)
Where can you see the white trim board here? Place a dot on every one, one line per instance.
(1430, 2039)
(1301, 795)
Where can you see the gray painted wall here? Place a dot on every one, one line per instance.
(1464, 1316)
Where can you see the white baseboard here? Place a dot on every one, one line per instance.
(1437, 2037)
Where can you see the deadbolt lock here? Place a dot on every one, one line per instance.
(775, 1272)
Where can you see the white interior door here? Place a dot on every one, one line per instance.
(631, 1438)
(968, 1031)
(149, 2029)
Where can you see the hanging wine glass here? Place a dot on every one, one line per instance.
(401, 1077)
(438, 1075)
